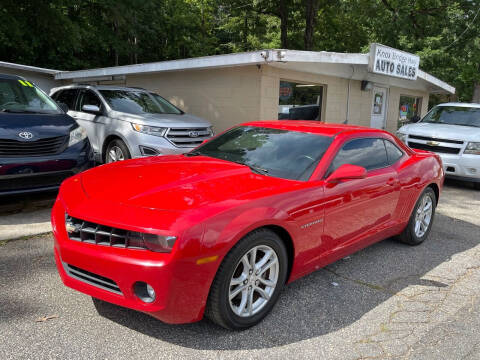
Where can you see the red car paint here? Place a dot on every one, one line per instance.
(210, 204)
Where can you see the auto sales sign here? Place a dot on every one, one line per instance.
(392, 62)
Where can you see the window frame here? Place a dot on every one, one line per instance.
(80, 95)
(329, 169)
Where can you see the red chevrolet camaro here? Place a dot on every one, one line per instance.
(220, 230)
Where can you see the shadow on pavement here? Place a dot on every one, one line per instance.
(312, 306)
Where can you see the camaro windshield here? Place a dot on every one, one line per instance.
(138, 102)
(274, 152)
(21, 96)
(454, 115)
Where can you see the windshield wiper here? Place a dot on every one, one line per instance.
(193, 153)
(20, 111)
(253, 168)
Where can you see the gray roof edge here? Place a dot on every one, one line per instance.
(239, 59)
(28, 68)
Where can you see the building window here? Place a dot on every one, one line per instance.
(410, 109)
(300, 101)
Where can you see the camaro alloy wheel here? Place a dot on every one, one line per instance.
(254, 281)
(248, 281)
(421, 219)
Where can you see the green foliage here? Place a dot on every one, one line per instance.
(76, 34)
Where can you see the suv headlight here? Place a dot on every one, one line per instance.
(212, 132)
(472, 148)
(150, 130)
(77, 135)
(402, 136)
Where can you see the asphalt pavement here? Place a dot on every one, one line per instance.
(388, 301)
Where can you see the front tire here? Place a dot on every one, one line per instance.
(116, 151)
(248, 281)
(421, 219)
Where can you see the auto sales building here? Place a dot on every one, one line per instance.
(378, 89)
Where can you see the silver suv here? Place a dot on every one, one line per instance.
(124, 123)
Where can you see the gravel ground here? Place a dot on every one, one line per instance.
(389, 301)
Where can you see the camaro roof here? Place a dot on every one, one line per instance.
(314, 127)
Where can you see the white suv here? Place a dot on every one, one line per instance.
(451, 130)
(124, 123)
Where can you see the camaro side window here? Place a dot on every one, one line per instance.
(367, 152)
(393, 152)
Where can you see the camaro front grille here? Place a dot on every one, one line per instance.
(188, 137)
(91, 278)
(42, 147)
(92, 233)
(437, 149)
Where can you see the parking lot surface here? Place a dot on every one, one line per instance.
(387, 301)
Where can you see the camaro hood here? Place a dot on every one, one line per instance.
(40, 125)
(176, 182)
(442, 131)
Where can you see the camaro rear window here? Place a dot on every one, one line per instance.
(274, 152)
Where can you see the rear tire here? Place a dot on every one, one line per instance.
(248, 281)
(476, 185)
(116, 151)
(421, 219)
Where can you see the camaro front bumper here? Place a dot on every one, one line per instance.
(109, 273)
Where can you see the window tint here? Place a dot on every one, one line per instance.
(367, 152)
(67, 97)
(89, 98)
(393, 152)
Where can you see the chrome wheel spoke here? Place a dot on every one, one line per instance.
(251, 285)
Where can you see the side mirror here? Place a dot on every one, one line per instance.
(347, 172)
(92, 109)
(63, 106)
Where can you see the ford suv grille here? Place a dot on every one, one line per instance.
(188, 137)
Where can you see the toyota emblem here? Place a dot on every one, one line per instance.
(193, 134)
(27, 135)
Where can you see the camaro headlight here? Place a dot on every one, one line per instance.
(159, 243)
(150, 130)
(77, 135)
(402, 136)
(472, 148)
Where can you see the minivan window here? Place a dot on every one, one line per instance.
(369, 153)
(21, 96)
(454, 115)
(66, 97)
(137, 102)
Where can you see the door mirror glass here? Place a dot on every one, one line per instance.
(347, 172)
(92, 109)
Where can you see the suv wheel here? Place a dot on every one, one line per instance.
(249, 281)
(116, 151)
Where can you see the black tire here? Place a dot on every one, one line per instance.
(218, 308)
(476, 185)
(119, 144)
(408, 236)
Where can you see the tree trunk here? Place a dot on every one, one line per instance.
(311, 11)
(283, 14)
(476, 92)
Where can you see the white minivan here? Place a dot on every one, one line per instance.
(452, 130)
